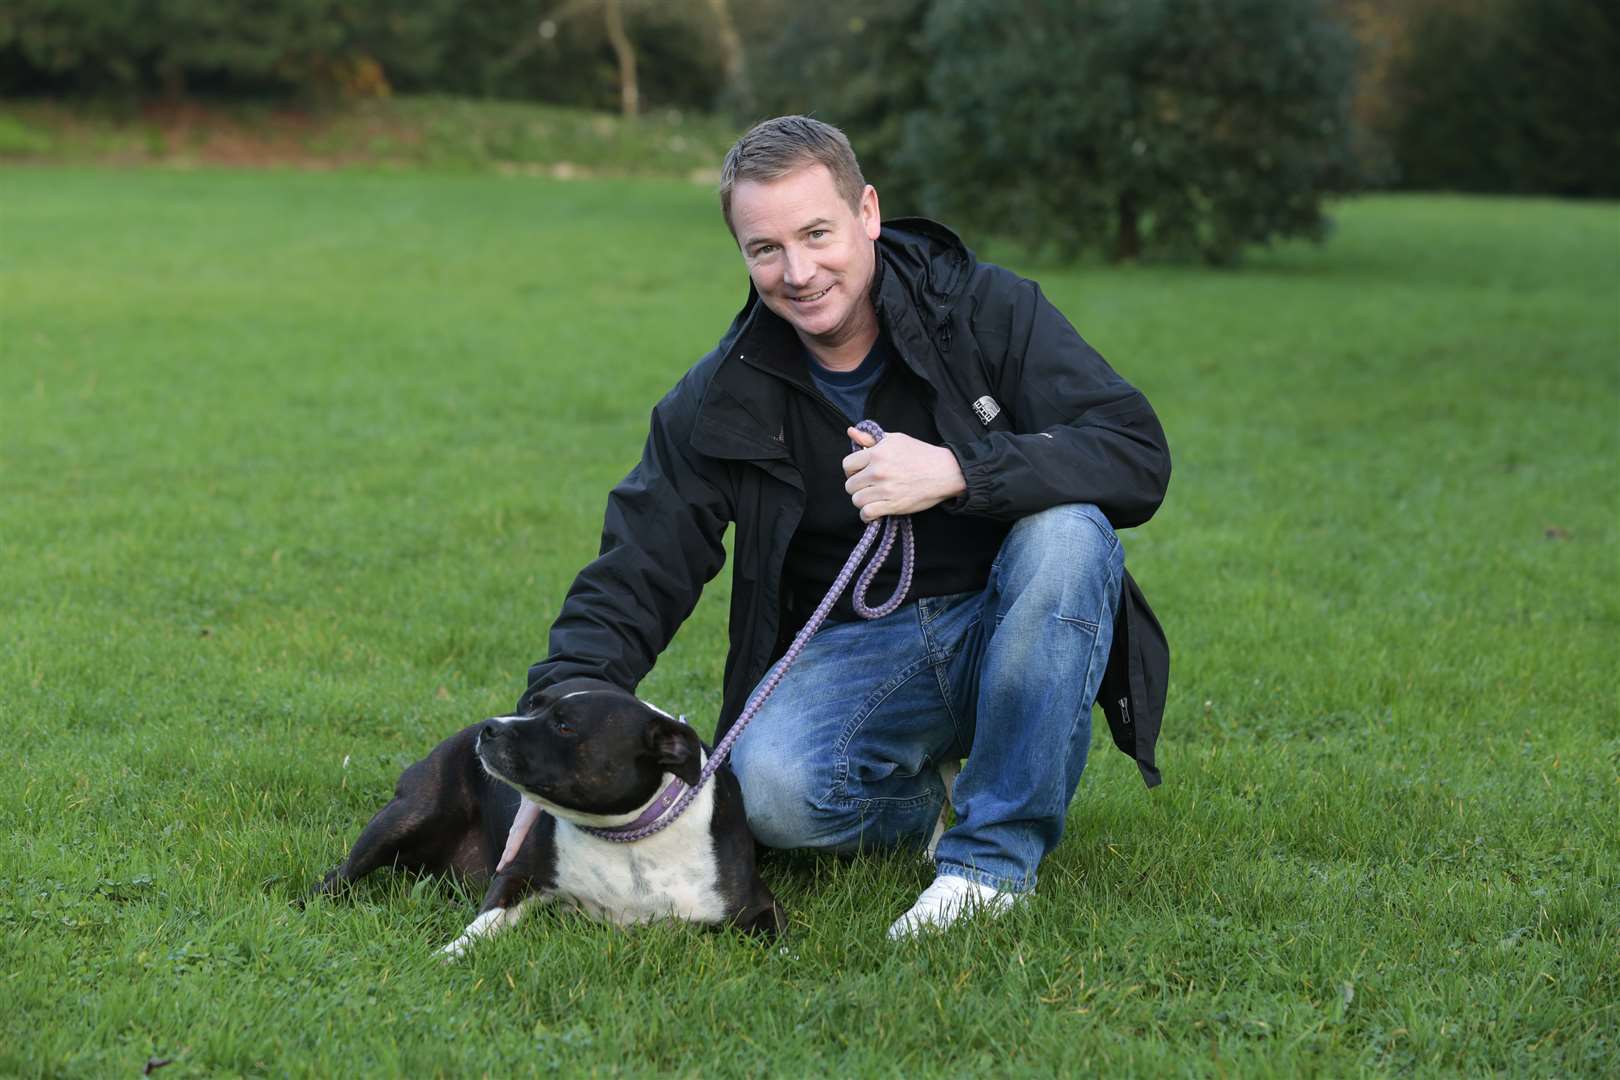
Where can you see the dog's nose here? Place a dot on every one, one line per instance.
(490, 730)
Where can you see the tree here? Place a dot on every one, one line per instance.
(611, 13)
(1380, 29)
(733, 62)
(1509, 96)
(711, 19)
(1135, 126)
(626, 53)
(858, 64)
(184, 47)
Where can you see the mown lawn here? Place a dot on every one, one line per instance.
(294, 472)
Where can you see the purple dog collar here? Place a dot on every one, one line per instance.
(634, 830)
(655, 810)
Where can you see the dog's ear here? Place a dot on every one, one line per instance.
(533, 701)
(676, 748)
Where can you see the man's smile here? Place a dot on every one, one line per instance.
(811, 298)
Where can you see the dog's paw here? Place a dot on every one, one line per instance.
(489, 922)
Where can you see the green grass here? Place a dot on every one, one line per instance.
(295, 469)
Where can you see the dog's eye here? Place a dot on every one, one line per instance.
(561, 726)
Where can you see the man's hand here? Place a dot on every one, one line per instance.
(899, 475)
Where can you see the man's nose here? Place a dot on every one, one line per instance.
(798, 268)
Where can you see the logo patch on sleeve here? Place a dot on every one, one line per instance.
(986, 409)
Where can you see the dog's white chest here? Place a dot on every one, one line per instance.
(672, 874)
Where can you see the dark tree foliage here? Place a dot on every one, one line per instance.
(1135, 126)
(318, 48)
(496, 48)
(1510, 96)
(858, 64)
(209, 47)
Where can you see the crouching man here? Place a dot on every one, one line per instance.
(1016, 450)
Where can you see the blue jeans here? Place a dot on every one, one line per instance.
(844, 756)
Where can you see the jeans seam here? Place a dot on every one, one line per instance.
(942, 678)
(941, 660)
(1106, 531)
(1084, 710)
(1085, 623)
(879, 802)
(876, 698)
(840, 771)
(1113, 564)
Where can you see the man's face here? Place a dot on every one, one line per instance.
(810, 255)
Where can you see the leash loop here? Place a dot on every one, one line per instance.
(889, 527)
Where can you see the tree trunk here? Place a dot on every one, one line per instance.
(1128, 242)
(731, 51)
(629, 93)
(173, 79)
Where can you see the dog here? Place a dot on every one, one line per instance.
(586, 756)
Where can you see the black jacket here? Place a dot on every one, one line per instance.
(1034, 415)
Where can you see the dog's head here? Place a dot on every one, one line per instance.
(589, 747)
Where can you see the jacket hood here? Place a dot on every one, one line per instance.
(930, 259)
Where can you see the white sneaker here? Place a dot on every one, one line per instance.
(947, 773)
(948, 899)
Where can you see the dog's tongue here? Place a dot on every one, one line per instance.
(527, 814)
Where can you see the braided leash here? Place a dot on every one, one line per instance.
(638, 830)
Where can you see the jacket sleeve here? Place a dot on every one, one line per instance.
(1080, 433)
(661, 543)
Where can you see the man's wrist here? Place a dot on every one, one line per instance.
(953, 482)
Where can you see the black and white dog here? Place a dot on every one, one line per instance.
(588, 756)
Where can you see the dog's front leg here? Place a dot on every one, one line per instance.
(508, 897)
(488, 923)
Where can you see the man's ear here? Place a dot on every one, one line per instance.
(871, 214)
(676, 748)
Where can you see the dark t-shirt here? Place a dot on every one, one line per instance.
(849, 389)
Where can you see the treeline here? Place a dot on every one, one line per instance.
(1518, 96)
(539, 50)
(1122, 125)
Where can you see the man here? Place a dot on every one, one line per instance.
(1016, 450)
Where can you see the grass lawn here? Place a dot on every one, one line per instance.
(295, 470)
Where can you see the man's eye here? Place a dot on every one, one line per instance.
(817, 234)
